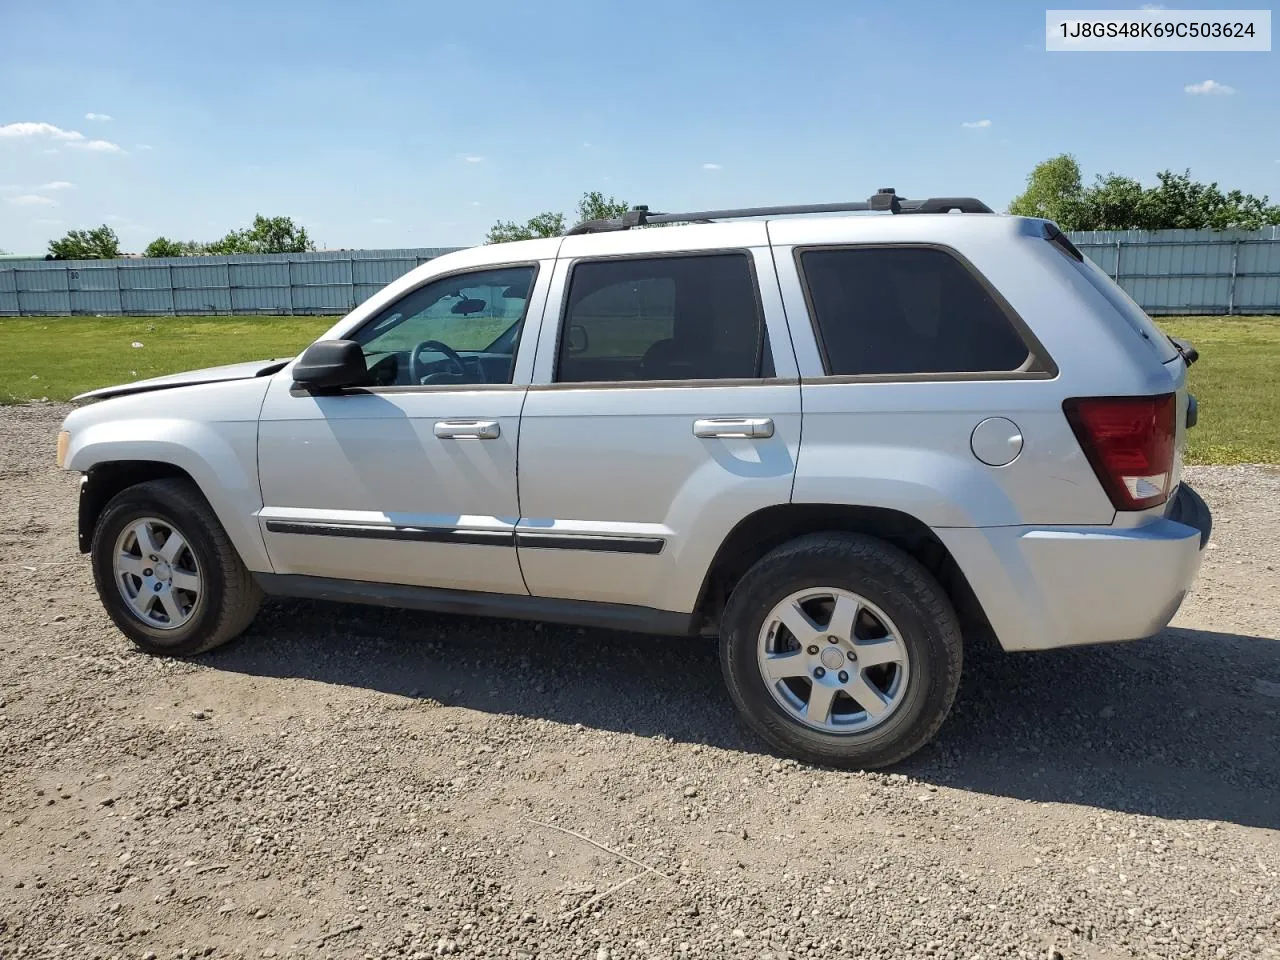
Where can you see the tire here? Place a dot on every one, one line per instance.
(895, 589)
(224, 597)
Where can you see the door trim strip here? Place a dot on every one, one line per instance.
(539, 540)
(589, 541)
(369, 531)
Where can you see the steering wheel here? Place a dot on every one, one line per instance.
(416, 372)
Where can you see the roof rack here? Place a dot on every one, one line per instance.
(884, 199)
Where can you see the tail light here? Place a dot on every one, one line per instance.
(1130, 444)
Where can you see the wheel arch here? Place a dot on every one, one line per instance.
(762, 531)
(105, 480)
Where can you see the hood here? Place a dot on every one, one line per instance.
(232, 371)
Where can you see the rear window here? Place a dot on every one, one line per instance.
(908, 310)
(1124, 305)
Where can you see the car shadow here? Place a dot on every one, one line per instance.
(1183, 725)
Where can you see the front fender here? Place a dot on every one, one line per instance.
(221, 458)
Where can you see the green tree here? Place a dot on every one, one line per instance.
(596, 206)
(1111, 200)
(593, 206)
(266, 235)
(1116, 202)
(1053, 192)
(543, 225)
(100, 243)
(1178, 202)
(164, 247)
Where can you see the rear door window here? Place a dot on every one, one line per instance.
(662, 318)
(906, 310)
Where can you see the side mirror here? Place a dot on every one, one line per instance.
(576, 340)
(330, 363)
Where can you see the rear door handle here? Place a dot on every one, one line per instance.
(753, 428)
(468, 429)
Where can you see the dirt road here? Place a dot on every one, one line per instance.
(353, 782)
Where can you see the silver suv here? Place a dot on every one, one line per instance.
(838, 443)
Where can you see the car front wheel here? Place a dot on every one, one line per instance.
(841, 649)
(166, 572)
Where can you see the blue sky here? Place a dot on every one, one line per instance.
(419, 124)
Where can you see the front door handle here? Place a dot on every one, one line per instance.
(468, 429)
(753, 428)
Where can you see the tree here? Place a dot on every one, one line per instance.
(1111, 199)
(1180, 202)
(164, 247)
(1053, 193)
(596, 206)
(543, 225)
(100, 243)
(266, 235)
(593, 206)
(1116, 202)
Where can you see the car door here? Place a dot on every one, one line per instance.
(665, 408)
(410, 478)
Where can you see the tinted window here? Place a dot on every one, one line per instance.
(906, 310)
(661, 318)
(459, 329)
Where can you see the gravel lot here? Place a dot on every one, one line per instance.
(353, 782)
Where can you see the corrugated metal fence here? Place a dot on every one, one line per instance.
(1167, 272)
(302, 283)
(1191, 271)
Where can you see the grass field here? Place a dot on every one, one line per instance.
(58, 357)
(1237, 379)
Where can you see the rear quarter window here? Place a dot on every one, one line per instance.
(906, 310)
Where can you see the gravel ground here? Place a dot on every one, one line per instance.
(347, 782)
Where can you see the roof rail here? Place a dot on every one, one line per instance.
(884, 199)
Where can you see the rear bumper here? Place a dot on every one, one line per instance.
(1045, 587)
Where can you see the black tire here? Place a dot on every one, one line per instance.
(229, 597)
(893, 581)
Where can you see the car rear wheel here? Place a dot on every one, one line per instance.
(166, 572)
(841, 649)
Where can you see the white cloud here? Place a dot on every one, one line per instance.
(382, 221)
(57, 185)
(143, 146)
(475, 203)
(1209, 88)
(14, 188)
(471, 158)
(712, 166)
(1152, 6)
(976, 124)
(32, 200)
(73, 138)
(28, 128)
(97, 146)
(97, 116)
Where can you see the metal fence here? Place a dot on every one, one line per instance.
(299, 283)
(1191, 271)
(1167, 272)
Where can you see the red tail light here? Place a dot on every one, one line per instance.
(1129, 442)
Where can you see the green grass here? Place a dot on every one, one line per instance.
(69, 355)
(1237, 380)
(1237, 384)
